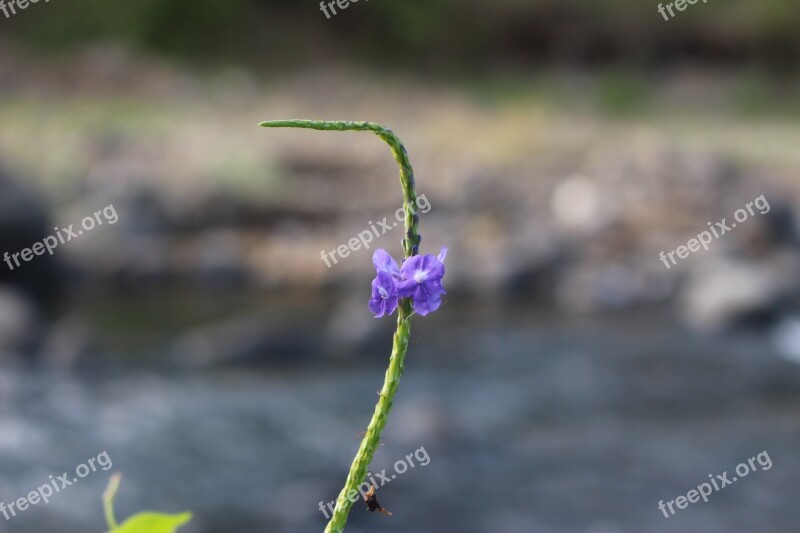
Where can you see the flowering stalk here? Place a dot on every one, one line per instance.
(358, 470)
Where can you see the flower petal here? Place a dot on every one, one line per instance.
(384, 262)
(422, 268)
(384, 295)
(428, 306)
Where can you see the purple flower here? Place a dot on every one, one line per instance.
(420, 278)
(385, 263)
(384, 295)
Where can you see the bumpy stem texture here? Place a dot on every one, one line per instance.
(358, 470)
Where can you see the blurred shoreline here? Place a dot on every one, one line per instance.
(564, 201)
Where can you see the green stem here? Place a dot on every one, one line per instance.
(412, 238)
(108, 501)
(358, 470)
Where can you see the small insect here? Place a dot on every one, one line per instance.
(372, 502)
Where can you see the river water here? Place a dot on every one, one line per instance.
(531, 423)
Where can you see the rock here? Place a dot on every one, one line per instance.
(578, 205)
(23, 222)
(723, 291)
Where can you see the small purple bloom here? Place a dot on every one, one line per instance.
(384, 295)
(420, 278)
(422, 281)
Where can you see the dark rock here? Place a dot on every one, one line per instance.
(23, 222)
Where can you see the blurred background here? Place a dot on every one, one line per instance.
(570, 380)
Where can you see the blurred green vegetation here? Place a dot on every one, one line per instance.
(452, 35)
(183, 27)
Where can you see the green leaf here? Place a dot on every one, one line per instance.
(153, 523)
